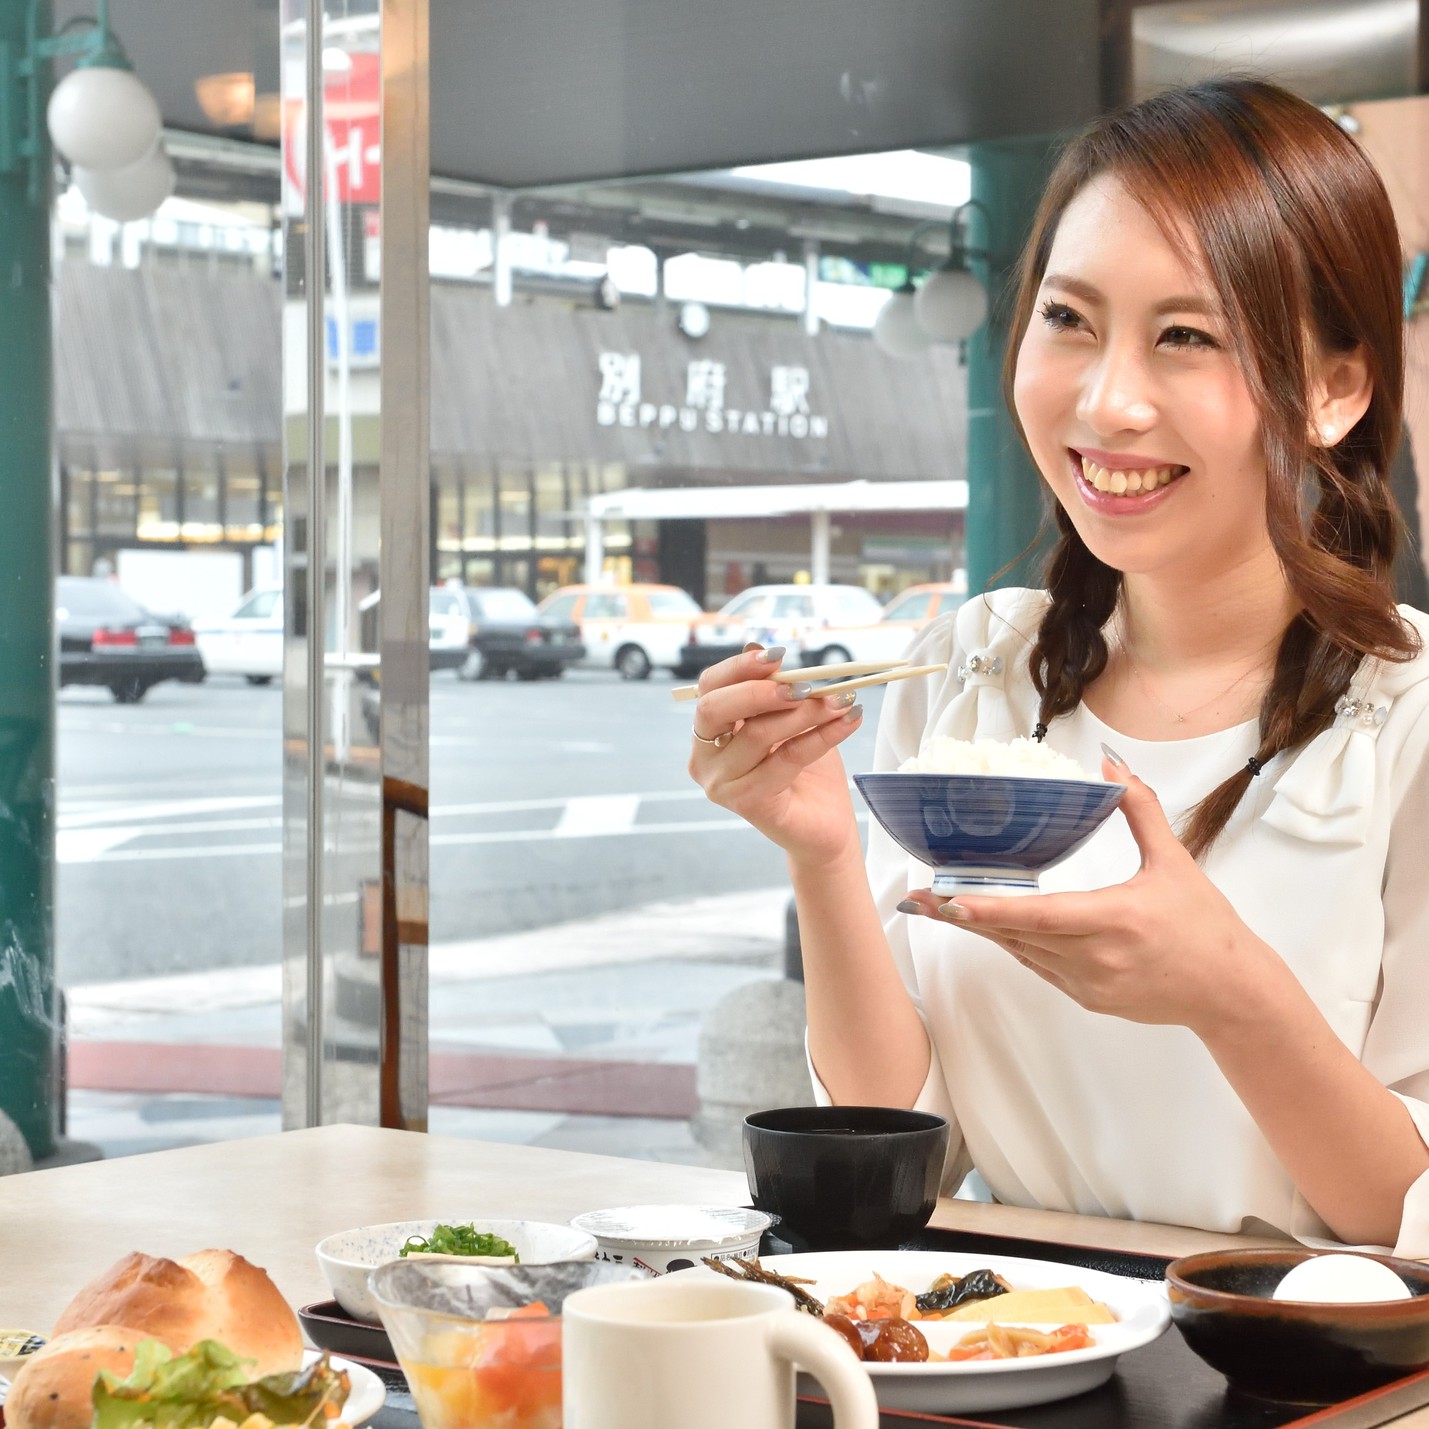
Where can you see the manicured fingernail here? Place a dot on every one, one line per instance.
(854, 715)
(843, 699)
(910, 905)
(773, 654)
(753, 645)
(796, 692)
(953, 910)
(1113, 757)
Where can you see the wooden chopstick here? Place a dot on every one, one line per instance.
(885, 678)
(834, 672)
(869, 672)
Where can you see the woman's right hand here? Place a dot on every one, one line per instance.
(780, 770)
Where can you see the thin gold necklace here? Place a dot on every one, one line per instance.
(1180, 716)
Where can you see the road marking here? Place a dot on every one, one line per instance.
(156, 855)
(167, 731)
(87, 845)
(486, 836)
(592, 815)
(130, 812)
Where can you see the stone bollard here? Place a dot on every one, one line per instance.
(751, 1058)
(14, 1153)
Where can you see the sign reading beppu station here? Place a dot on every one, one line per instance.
(622, 402)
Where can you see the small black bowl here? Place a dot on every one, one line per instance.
(1294, 1351)
(845, 1177)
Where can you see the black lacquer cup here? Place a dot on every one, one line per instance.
(845, 1177)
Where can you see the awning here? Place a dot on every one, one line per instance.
(643, 504)
(819, 500)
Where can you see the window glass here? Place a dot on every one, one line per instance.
(749, 607)
(947, 603)
(560, 607)
(668, 604)
(95, 600)
(912, 606)
(605, 605)
(443, 602)
(501, 604)
(855, 604)
(259, 606)
(793, 607)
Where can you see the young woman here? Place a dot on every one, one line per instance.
(1218, 1015)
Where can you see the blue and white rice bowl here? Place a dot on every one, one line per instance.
(987, 833)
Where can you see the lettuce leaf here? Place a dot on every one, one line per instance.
(190, 1391)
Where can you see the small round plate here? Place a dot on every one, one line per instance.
(366, 1393)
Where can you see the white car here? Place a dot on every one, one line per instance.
(250, 641)
(816, 623)
(631, 628)
(903, 617)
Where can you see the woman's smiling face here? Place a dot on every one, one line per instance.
(1132, 400)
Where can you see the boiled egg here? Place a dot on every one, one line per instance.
(1337, 1279)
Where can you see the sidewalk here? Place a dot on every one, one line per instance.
(582, 1035)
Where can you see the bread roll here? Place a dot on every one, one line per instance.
(213, 1295)
(54, 1386)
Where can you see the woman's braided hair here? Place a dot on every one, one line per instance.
(1296, 232)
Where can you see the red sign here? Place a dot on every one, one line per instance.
(352, 115)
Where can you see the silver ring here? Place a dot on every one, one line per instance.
(718, 742)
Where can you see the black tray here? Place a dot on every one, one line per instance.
(330, 1327)
(1163, 1385)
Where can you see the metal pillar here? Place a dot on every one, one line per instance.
(820, 534)
(1005, 501)
(29, 1036)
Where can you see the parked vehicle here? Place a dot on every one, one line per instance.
(494, 630)
(903, 617)
(798, 617)
(107, 638)
(250, 641)
(629, 628)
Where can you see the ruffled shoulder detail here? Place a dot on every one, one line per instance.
(1326, 792)
(992, 636)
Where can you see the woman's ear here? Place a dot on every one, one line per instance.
(1339, 396)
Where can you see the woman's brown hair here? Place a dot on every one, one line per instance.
(1298, 238)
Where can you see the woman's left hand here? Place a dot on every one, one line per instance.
(1164, 947)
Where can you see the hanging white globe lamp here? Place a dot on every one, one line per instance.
(896, 329)
(101, 115)
(128, 193)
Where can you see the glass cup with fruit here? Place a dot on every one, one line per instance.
(481, 1345)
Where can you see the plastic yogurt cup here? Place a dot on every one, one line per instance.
(660, 1239)
(16, 1346)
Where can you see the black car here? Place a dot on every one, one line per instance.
(108, 638)
(499, 630)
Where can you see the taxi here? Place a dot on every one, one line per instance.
(628, 628)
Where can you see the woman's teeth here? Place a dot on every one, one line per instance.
(1128, 483)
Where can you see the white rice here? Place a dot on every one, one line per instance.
(1024, 757)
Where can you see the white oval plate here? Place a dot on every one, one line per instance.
(366, 1393)
(1142, 1309)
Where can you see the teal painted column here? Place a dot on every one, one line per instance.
(1005, 502)
(29, 1036)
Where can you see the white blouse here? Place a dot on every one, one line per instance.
(1325, 859)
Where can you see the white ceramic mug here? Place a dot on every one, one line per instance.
(696, 1353)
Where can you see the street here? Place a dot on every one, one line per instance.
(551, 801)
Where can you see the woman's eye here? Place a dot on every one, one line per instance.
(1059, 317)
(1187, 337)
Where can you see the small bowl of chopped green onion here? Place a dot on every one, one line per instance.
(349, 1257)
